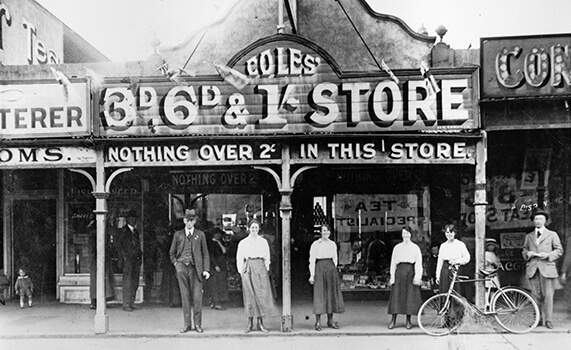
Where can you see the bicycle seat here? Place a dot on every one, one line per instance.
(487, 273)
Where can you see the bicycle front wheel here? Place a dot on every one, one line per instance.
(436, 317)
(515, 310)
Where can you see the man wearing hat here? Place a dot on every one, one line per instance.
(189, 254)
(541, 249)
(129, 247)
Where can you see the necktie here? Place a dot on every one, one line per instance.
(538, 233)
(189, 238)
(136, 238)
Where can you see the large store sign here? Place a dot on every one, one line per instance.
(386, 151)
(193, 154)
(530, 66)
(44, 110)
(27, 157)
(285, 87)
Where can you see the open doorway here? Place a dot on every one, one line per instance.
(33, 231)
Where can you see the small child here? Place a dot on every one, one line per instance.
(24, 287)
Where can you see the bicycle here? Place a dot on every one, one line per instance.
(514, 309)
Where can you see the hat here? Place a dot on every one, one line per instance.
(189, 214)
(491, 241)
(131, 213)
(539, 212)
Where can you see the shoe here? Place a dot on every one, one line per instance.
(262, 328)
(198, 329)
(219, 307)
(408, 325)
(21, 306)
(391, 325)
(249, 326)
(92, 307)
(186, 329)
(135, 307)
(549, 325)
(127, 308)
(317, 327)
(540, 323)
(3, 302)
(333, 325)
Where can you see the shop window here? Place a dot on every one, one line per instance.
(80, 226)
(368, 226)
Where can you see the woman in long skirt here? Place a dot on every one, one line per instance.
(253, 264)
(452, 252)
(327, 297)
(406, 275)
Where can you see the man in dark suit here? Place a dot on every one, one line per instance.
(129, 246)
(541, 249)
(189, 254)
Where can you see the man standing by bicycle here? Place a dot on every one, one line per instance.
(541, 249)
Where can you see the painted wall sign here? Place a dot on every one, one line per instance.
(291, 89)
(26, 157)
(29, 34)
(193, 154)
(381, 150)
(44, 110)
(526, 66)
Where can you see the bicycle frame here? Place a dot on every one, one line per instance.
(490, 296)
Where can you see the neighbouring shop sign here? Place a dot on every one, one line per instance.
(289, 88)
(27, 157)
(526, 66)
(44, 109)
(385, 150)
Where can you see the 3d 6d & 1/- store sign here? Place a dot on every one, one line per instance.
(292, 90)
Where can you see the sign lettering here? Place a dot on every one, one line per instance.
(292, 90)
(43, 110)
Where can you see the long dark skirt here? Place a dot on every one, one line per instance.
(256, 289)
(405, 297)
(327, 296)
(218, 284)
(446, 279)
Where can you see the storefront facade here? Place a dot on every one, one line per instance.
(525, 109)
(296, 135)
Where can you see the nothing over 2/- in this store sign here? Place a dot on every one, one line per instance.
(290, 87)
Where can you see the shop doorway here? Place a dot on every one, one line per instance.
(32, 223)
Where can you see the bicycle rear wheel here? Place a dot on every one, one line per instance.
(436, 317)
(515, 310)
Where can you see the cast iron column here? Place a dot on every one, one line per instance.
(285, 213)
(480, 205)
(101, 319)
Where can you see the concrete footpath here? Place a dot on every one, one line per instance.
(362, 318)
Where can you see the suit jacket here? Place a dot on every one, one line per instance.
(127, 245)
(199, 250)
(548, 243)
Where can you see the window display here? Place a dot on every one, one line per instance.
(368, 226)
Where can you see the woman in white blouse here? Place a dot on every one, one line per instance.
(452, 252)
(327, 297)
(253, 264)
(406, 275)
